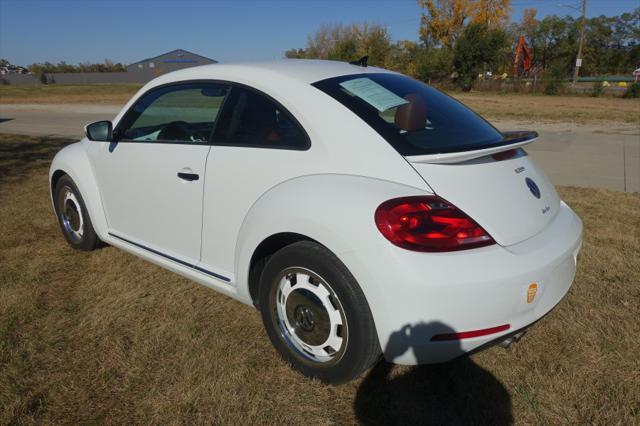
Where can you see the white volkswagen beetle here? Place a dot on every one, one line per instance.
(361, 211)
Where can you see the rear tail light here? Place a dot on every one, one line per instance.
(429, 223)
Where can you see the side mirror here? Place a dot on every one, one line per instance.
(100, 131)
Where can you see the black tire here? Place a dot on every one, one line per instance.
(359, 348)
(73, 216)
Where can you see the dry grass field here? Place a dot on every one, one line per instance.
(540, 108)
(68, 94)
(104, 337)
(579, 109)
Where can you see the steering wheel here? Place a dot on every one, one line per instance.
(175, 131)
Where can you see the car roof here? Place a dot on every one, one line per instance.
(302, 70)
(281, 77)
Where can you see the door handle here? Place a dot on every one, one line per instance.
(189, 177)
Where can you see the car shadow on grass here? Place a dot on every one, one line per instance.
(456, 392)
(22, 155)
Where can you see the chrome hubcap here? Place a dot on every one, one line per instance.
(309, 315)
(72, 220)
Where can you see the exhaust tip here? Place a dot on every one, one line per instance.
(513, 339)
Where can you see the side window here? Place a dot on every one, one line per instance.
(178, 113)
(252, 119)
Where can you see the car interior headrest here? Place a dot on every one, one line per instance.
(412, 115)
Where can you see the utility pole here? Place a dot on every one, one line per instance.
(579, 58)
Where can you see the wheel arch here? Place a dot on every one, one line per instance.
(55, 177)
(263, 252)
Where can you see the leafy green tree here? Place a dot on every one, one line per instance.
(295, 53)
(434, 64)
(347, 43)
(478, 47)
(463, 36)
(49, 68)
(612, 44)
(344, 49)
(374, 41)
(402, 57)
(555, 43)
(554, 79)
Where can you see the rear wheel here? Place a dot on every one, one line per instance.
(73, 216)
(316, 314)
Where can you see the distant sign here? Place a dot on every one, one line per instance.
(579, 62)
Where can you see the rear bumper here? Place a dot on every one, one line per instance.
(416, 296)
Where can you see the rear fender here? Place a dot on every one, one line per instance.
(335, 210)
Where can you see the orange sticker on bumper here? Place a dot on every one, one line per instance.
(531, 292)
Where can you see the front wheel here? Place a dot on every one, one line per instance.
(316, 314)
(73, 216)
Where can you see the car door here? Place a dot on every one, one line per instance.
(257, 144)
(151, 178)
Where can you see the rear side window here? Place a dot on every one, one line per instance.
(251, 119)
(177, 113)
(414, 118)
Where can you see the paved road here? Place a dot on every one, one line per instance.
(603, 156)
(52, 120)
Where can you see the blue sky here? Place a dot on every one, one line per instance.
(129, 30)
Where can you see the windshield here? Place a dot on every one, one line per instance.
(414, 118)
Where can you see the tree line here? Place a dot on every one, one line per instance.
(459, 40)
(50, 68)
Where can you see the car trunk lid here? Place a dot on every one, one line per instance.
(500, 188)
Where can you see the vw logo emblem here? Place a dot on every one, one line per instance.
(304, 318)
(533, 187)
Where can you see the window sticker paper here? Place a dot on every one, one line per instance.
(373, 93)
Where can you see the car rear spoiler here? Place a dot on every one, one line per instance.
(511, 140)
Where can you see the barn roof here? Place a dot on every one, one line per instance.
(170, 52)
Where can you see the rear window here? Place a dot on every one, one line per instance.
(414, 118)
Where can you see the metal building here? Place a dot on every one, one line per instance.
(170, 61)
